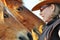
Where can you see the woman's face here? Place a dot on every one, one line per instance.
(47, 12)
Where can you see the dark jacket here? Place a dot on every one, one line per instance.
(50, 31)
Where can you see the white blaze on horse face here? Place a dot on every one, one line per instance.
(59, 33)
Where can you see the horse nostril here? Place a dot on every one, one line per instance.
(29, 36)
(20, 38)
(24, 35)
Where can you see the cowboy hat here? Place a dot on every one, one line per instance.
(39, 5)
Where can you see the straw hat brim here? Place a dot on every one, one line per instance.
(39, 5)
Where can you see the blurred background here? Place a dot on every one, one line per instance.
(29, 4)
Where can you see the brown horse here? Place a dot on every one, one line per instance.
(17, 21)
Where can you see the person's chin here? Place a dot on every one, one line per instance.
(46, 21)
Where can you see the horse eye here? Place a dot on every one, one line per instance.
(6, 16)
(20, 9)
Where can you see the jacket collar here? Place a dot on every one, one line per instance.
(52, 21)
